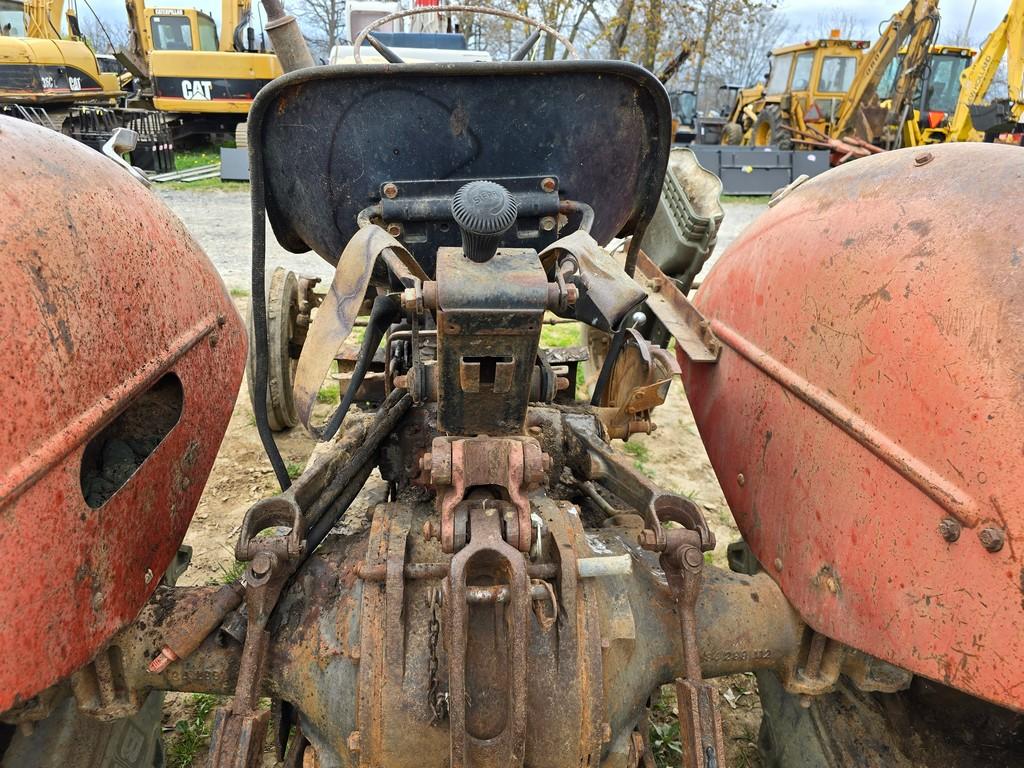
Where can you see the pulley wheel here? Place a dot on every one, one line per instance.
(283, 347)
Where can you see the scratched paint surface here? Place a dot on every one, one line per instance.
(871, 386)
(103, 292)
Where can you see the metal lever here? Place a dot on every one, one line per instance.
(121, 141)
(700, 723)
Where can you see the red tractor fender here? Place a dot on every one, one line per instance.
(121, 357)
(866, 417)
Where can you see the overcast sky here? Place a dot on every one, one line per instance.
(803, 14)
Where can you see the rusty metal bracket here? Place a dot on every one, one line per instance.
(484, 736)
(690, 329)
(454, 465)
(239, 730)
(595, 460)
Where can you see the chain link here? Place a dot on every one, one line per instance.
(437, 695)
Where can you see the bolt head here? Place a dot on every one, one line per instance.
(261, 564)
(923, 159)
(430, 530)
(394, 229)
(992, 538)
(741, 480)
(778, 563)
(390, 191)
(548, 184)
(547, 223)
(949, 529)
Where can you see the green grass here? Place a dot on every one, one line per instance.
(328, 394)
(186, 159)
(214, 183)
(239, 293)
(760, 199)
(640, 455)
(232, 573)
(192, 734)
(561, 335)
(294, 468)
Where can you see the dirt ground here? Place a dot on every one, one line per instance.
(673, 456)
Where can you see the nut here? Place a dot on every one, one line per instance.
(741, 480)
(949, 529)
(992, 538)
(923, 159)
(390, 191)
(394, 229)
(547, 223)
(548, 184)
(648, 539)
(426, 462)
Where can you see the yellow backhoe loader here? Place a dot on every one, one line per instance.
(49, 75)
(203, 78)
(823, 90)
(973, 119)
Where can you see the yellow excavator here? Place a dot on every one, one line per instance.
(973, 119)
(826, 90)
(202, 77)
(50, 76)
(41, 68)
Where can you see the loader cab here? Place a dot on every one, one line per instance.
(936, 101)
(182, 29)
(814, 75)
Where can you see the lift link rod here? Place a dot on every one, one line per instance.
(700, 722)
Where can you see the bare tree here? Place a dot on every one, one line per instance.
(105, 35)
(323, 22)
(851, 25)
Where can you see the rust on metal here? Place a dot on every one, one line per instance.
(123, 303)
(872, 358)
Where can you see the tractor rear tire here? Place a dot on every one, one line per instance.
(732, 134)
(924, 726)
(769, 129)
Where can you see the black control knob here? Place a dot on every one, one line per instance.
(484, 212)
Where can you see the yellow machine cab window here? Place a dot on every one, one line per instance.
(837, 73)
(802, 72)
(207, 33)
(779, 77)
(12, 18)
(171, 33)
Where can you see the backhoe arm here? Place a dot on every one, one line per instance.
(1006, 38)
(915, 18)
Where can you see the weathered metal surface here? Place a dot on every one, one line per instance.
(105, 294)
(865, 418)
(489, 320)
(684, 321)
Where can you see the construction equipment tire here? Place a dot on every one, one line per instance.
(242, 135)
(732, 134)
(769, 129)
(924, 726)
(283, 353)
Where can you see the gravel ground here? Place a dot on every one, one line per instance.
(221, 223)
